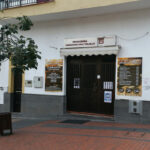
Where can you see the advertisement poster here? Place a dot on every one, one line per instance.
(53, 75)
(108, 96)
(129, 82)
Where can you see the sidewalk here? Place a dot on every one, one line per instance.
(78, 135)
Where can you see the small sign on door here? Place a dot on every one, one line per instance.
(108, 96)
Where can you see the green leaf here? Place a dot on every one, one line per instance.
(24, 23)
(22, 51)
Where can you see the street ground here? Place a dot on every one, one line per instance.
(76, 135)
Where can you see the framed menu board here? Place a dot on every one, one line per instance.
(53, 75)
(129, 80)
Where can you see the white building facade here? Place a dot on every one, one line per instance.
(82, 83)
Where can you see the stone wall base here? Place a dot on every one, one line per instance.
(121, 112)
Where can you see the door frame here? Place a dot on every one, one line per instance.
(114, 86)
(11, 81)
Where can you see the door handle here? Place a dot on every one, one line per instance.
(18, 91)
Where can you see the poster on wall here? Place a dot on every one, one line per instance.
(53, 75)
(108, 96)
(129, 78)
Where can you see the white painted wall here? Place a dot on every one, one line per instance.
(3, 80)
(128, 25)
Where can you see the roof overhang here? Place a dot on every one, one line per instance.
(114, 50)
(56, 11)
(94, 11)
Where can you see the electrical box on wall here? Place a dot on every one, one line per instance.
(38, 82)
(135, 107)
(28, 83)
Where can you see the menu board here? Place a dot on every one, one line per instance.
(129, 80)
(53, 75)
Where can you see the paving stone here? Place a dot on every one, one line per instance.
(53, 135)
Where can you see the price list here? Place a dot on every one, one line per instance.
(129, 76)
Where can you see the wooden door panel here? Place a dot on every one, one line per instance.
(87, 95)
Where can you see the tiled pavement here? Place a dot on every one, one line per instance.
(53, 135)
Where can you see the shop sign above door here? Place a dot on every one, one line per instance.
(105, 41)
(80, 42)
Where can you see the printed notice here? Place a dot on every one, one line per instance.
(129, 76)
(53, 75)
(108, 96)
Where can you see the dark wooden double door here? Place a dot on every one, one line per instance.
(89, 78)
